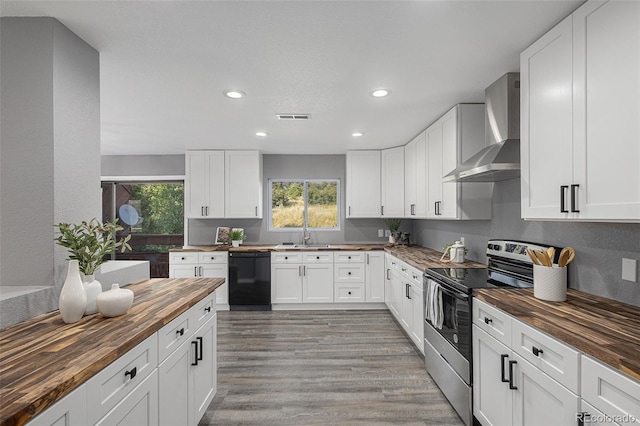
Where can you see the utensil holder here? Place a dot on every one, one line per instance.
(550, 283)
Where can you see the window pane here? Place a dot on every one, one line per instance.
(322, 209)
(287, 204)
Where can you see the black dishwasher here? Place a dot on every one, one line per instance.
(250, 281)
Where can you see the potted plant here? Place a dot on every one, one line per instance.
(393, 225)
(88, 243)
(237, 236)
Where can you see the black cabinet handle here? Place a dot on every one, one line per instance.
(318, 257)
(511, 385)
(388, 273)
(195, 353)
(536, 351)
(381, 210)
(408, 291)
(574, 196)
(286, 257)
(207, 309)
(487, 320)
(348, 292)
(563, 208)
(503, 377)
(348, 273)
(200, 345)
(182, 258)
(131, 373)
(180, 332)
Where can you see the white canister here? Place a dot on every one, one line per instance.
(456, 252)
(550, 283)
(115, 302)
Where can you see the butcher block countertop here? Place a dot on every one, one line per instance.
(43, 359)
(416, 256)
(605, 329)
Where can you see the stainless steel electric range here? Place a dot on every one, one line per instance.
(447, 325)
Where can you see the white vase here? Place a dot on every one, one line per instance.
(115, 302)
(73, 298)
(93, 288)
(235, 243)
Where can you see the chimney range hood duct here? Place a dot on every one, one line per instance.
(500, 159)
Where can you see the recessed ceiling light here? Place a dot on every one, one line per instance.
(380, 93)
(261, 134)
(234, 94)
(357, 134)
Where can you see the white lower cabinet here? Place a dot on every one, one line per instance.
(302, 277)
(139, 407)
(374, 280)
(405, 298)
(349, 276)
(191, 264)
(69, 411)
(524, 376)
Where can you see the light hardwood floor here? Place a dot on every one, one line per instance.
(321, 368)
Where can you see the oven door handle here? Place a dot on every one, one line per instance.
(457, 294)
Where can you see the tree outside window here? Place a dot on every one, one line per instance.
(295, 203)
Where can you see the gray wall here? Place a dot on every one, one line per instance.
(202, 232)
(599, 247)
(142, 165)
(50, 153)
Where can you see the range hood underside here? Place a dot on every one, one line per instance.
(497, 162)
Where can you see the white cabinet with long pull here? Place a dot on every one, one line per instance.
(302, 277)
(243, 184)
(415, 177)
(578, 141)
(393, 179)
(363, 184)
(204, 184)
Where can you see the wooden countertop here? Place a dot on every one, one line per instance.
(605, 329)
(43, 359)
(416, 256)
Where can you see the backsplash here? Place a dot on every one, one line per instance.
(599, 247)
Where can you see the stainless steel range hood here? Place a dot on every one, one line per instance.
(500, 160)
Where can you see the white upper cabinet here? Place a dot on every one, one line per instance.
(451, 140)
(363, 183)
(580, 115)
(415, 174)
(204, 184)
(392, 193)
(243, 184)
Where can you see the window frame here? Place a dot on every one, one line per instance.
(305, 218)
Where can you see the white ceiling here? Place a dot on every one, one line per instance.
(165, 64)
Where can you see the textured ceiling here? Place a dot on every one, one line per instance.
(165, 64)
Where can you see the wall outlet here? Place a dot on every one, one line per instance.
(387, 232)
(380, 233)
(629, 270)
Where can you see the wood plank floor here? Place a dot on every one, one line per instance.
(321, 368)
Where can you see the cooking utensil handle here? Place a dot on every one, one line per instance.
(574, 196)
(563, 208)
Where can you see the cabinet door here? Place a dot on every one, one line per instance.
(420, 209)
(592, 416)
(606, 152)
(184, 271)
(417, 310)
(406, 310)
(204, 373)
(140, 407)
(434, 155)
(174, 391)
(537, 390)
(363, 184)
(395, 297)
(374, 277)
(492, 398)
(196, 184)
(392, 182)
(286, 283)
(317, 283)
(546, 134)
(218, 270)
(410, 184)
(243, 184)
(69, 411)
(449, 207)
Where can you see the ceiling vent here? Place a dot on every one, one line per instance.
(293, 116)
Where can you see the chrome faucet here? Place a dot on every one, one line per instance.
(306, 236)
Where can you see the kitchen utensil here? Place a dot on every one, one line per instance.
(533, 257)
(543, 258)
(566, 256)
(551, 251)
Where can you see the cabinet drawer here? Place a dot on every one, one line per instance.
(318, 257)
(492, 320)
(349, 273)
(204, 310)
(349, 293)
(286, 257)
(178, 257)
(393, 264)
(173, 334)
(415, 277)
(556, 359)
(610, 391)
(349, 257)
(107, 388)
(213, 257)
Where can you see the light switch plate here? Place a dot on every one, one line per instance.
(381, 233)
(629, 269)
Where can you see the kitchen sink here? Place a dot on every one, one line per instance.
(302, 246)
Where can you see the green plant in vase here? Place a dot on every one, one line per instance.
(393, 225)
(236, 236)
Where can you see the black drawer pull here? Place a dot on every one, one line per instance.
(180, 332)
(536, 351)
(511, 385)
(131, 373)
(349, 292)
(182, 258)
(348, 273)
(574, 195)
(487, 320)
(563, 208)
(207, 309)
(200, 345)
(195, 352)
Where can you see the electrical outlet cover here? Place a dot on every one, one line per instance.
(629, 269)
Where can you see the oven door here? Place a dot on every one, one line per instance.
(450, 314)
